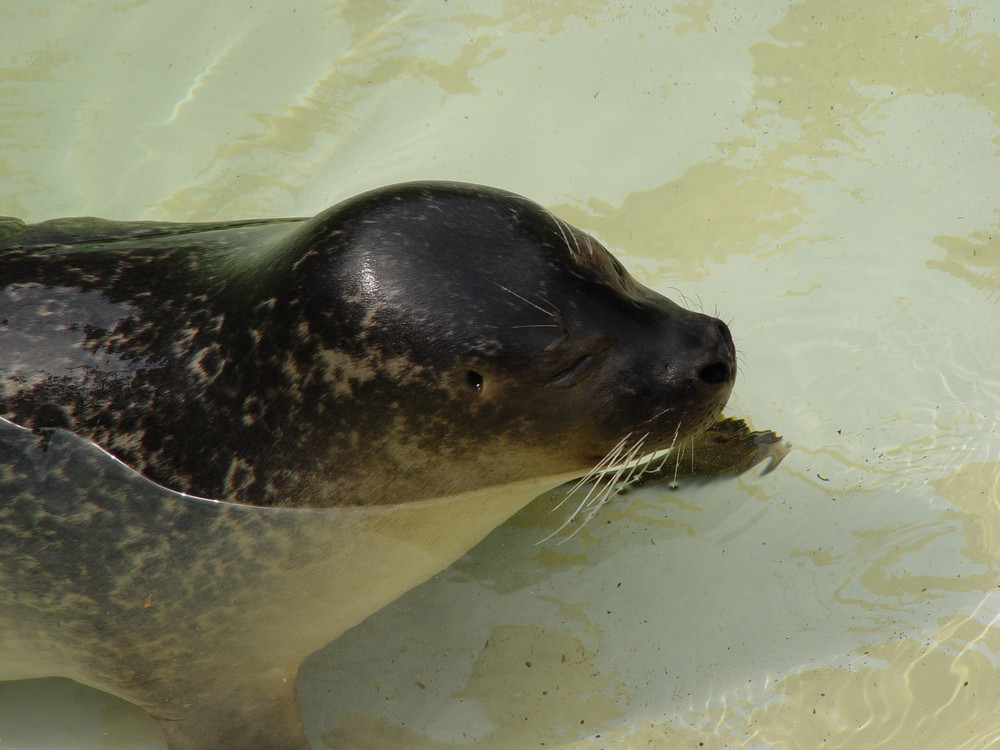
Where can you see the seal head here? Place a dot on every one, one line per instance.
(513, 344)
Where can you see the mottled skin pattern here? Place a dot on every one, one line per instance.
(200, 612)
(104, 579)
(415, 364)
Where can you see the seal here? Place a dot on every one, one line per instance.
(224, 444)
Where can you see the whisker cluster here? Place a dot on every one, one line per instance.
(623, 466)
(568, 234)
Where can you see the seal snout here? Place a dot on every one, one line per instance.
(701, 356)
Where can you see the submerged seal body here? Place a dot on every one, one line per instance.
(390, 379)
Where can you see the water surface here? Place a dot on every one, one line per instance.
(823, 175)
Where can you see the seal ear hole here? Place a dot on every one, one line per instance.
(475, 380)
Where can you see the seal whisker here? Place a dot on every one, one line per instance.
(623, 465)
(605, 463)
(576, 238)
(561, 226)
(550, 313)
(595, 501)
(666, 454)
(679, 458)
(677, 465)
(646, 464)
(594, 478)
(659, 414)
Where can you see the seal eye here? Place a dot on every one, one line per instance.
(569, 375)
(475, 380)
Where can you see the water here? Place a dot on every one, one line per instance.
(822, 175)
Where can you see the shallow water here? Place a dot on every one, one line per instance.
(824, 176)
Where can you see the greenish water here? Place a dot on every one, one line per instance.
(823, 175)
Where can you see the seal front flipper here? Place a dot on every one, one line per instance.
(725, 450)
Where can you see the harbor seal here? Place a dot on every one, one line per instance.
(224, 444)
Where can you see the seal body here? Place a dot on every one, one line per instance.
(369, 392)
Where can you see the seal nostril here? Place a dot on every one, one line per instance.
(723, 369)
(475, 380)
(715, 373)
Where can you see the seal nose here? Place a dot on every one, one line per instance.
(722, 365)
(703, 355)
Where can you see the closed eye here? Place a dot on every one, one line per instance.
(568, 375)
